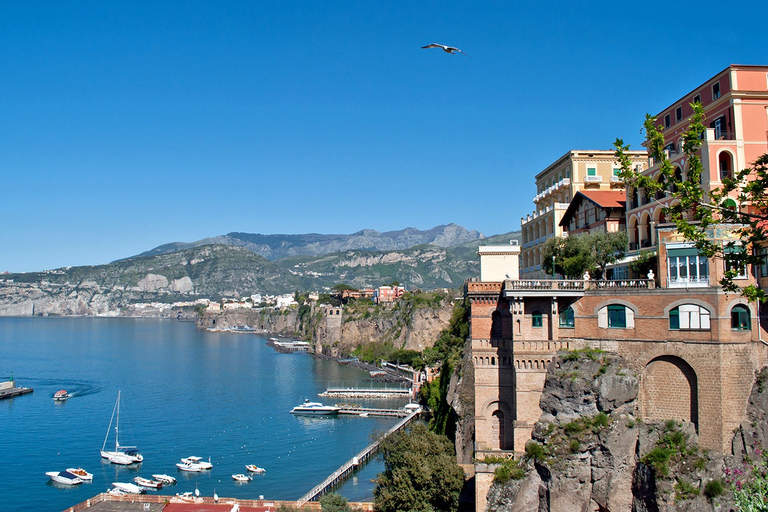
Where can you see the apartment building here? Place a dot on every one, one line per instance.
(556, 187)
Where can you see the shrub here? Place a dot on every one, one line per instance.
(714, 488)
(509, 470)
(574, 446)
(534, 451)
(572, 427)
(685, 490)
(599, 421)
(658, 459)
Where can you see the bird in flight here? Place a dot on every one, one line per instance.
(446, 49)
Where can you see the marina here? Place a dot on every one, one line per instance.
(184, 392)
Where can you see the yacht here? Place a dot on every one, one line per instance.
(121, 454)
(64, 477)
(253, 468)
(198, 461)
(129, 488)
(189, 466)
(166, 479)
(315, 408)
(241, 478)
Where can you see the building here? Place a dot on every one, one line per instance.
(388, 293)
(556, 187)
(595, 210)
(499, 262)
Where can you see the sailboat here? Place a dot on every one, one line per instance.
(122, 454)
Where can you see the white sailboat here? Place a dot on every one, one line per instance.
(121, 454)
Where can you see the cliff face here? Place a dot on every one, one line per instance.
(590, 453)
(414, 329)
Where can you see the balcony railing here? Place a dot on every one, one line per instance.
(593, 179)
(570, 285)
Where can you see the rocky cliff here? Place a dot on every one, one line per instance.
(590, 453)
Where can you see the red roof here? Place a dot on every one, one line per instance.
(606, 198)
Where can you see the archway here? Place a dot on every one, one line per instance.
(498, 434)
(670, 391)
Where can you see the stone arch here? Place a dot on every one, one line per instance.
(632, 232)
(500, 415)
(644, 230)
(669, 390)
(725, 164)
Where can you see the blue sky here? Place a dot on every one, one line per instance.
(126, 125)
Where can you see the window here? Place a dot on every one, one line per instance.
(617, 316)
(689, 317)
(740, 318)
(667, 121)
(734, 262)
(536, 319)
(715, 90)
(764, 261)
(616, 171)
(697, 98)
(566, 317)
(686, 267)
(678, 114)
(591, 171)
(719, 126)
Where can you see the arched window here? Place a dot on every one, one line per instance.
(566, 317)
(536, 319)
(740, 318)
(689, 317)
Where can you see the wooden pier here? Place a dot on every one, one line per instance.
(368, 392)
(351, 465)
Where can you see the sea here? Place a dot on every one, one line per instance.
(184, 392)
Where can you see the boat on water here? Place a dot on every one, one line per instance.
(199, 461)
(166, 479)
(114, 491)
(81, 474)
(315, 408)
(253, 468)
(189, 466)
(242, 478)
(60, 396)
(121, 454)
(129, 488)
(146, 482)
(64, 477)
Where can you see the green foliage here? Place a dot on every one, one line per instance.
(420, 473)
(714, 488)
(574, 446)
(646, 261)
(509, 470)
(590, 252)
(699, 213)
(342, 286)
(405, 356)
(286, 508)
(583, 354)
(672, 446)
(333, 502)
(599, 421)
(685, 490)
(534, 451)
(658, 459)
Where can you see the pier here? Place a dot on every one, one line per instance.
(368, 392)
(351, 465)
(366, 411)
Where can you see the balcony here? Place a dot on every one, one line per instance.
(593, 179)
(569, 287)
(688, 282)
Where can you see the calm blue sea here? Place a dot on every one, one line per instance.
(184, 392)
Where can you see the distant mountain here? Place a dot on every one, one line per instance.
(275, 247)
(224, 270)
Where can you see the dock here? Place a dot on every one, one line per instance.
(351, 465)
(288, 346)
(8, 389)
(361, 411)
(368, 392)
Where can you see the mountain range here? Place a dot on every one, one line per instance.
(235, 265)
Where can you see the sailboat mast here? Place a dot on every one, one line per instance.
(117, 422)
(111, 419)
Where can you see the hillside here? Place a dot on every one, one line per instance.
(219, 271)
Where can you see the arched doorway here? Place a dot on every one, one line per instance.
(670, 391)
(498, 431)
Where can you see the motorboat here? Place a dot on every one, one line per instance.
(242, 478)
(189, 466)
(199, 461)
(253, 468)
(121, 453)
(60, 396)
(114, 491)
(81, 474)
(315, 408)
(64, 477)
(166, 479)
(129, 488)
(146, 482)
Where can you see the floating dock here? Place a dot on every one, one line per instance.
(368, 392)
(288, 346)
(8, 389)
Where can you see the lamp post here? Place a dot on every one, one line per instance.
(553, 266)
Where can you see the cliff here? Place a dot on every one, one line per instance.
(590, 453)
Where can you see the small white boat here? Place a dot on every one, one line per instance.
(121, 459)
(188, 466)
(146, 482)
(60, 395)
(242, 478)
(199, 461)
(114, 491)
(64, 477)
(253, 468)
(315, 408)
(129, 488)
(81, 474)
(166, 479)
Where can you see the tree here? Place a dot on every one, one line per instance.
(592, 252)
(420, 473)
(341, 287)
(333, 502)
(699, 214)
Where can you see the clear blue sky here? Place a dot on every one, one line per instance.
(126, 125)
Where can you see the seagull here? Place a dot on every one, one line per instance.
(446, 49)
